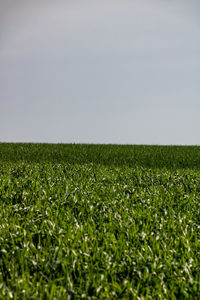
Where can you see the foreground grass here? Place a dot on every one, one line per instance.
(99, 230)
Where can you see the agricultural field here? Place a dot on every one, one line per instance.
(99, 222)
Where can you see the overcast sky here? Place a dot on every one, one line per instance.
(100, 71)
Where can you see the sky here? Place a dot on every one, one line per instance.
(109, 71)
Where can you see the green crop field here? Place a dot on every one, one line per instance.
(99, 222)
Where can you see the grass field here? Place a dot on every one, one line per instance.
(99, 222)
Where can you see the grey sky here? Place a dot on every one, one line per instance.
(109, 71)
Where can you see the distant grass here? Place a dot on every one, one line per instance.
(109, 155)
(99, 222)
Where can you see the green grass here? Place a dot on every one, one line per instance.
(109, 155)
(99, 222)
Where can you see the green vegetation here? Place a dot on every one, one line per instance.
(99, 222)
(109, 155)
